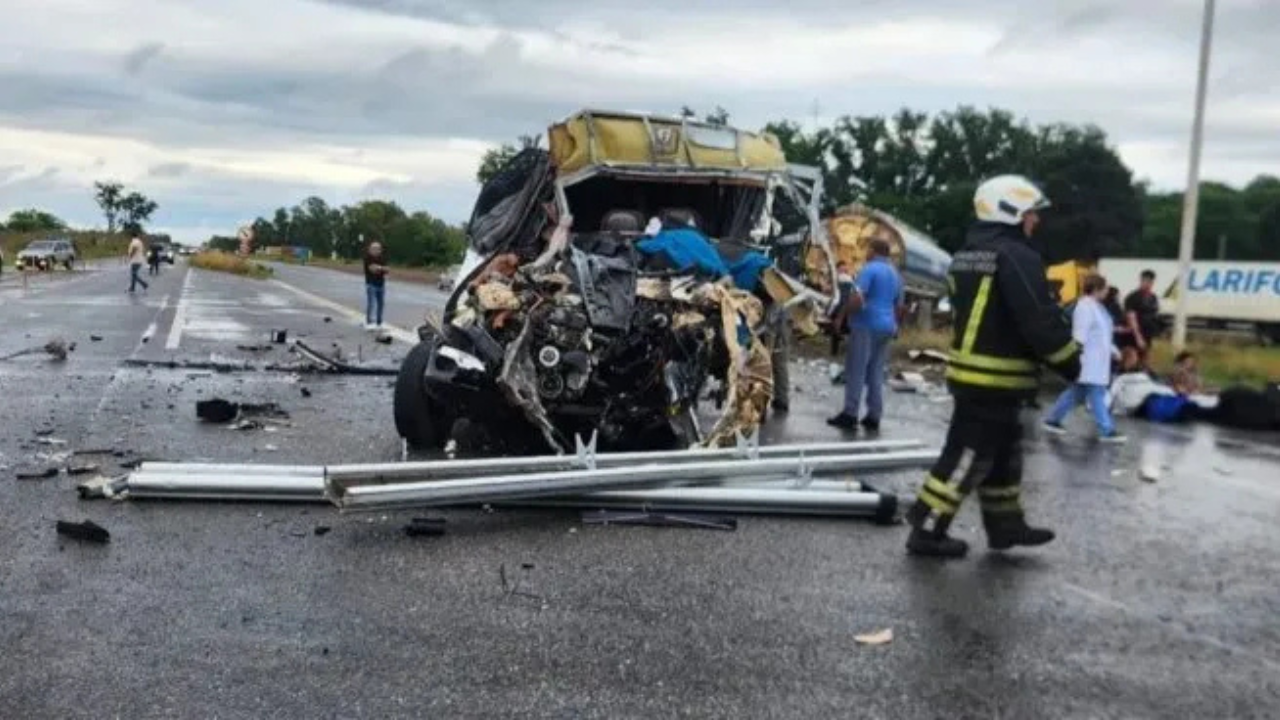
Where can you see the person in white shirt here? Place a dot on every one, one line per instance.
(1092, 327)
(137, 258)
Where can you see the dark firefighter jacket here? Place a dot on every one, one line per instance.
(1006, 321)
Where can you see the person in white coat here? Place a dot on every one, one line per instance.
(1092, 327)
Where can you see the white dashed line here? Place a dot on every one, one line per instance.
(179, 315)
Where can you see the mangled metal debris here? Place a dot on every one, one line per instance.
(604, 293)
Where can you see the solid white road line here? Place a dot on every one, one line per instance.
(404, 336)
(155, 323)
(179, 315)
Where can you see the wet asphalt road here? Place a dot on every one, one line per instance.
(1158, 600)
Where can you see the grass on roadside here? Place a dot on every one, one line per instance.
(422, 275)
(1224, 361)
(226, 262)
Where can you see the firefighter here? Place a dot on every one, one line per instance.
(1006, 325)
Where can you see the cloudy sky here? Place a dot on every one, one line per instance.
(223, 110)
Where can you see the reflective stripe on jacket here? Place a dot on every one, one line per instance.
(1006, 321)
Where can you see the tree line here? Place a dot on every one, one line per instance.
(408, 238)
(924, 169)
(123, 209)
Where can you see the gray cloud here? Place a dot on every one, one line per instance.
(135, 60)
(210, 92)
(169, 170)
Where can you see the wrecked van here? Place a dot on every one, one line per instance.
(610, 280)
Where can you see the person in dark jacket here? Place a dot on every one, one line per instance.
(1007, 325)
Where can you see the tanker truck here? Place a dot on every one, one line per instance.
(922, 263)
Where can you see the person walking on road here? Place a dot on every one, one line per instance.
(1092, 327)
(375, 286)
(137, 255)
(153, 260)
(1007, 323)
(873, 311)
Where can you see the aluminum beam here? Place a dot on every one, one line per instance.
(466, 491)
(585, 459)
(733, 499)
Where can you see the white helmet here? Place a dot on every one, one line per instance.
(1006, 198)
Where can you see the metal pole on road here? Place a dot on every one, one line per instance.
(1191, 199)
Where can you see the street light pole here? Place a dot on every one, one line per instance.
(1191, 199)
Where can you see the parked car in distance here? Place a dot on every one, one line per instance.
(167, 252)
(447, 278)
(45, 254)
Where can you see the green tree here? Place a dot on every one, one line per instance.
(281, 227)
(264, 233)
(136, 210)
(1244, 223)
(496, 158)
(223, 243)
(925, 170)
(108, 196)
(719, 117)
(32, 220)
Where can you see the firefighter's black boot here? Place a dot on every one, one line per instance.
(935, 544)
(1006, 531)
(929, 533)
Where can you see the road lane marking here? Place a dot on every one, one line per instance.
(404, 336)
(155, 322)
(179, 315)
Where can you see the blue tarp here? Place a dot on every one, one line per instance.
(746, 271)
(687, 250)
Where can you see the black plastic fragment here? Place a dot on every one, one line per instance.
(87, 531)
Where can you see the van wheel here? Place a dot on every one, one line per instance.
(418, 420)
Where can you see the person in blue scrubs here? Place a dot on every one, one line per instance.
(873, 311)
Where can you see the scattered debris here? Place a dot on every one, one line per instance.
(322, 530)
(305, 392)
(41, 474)
(87, 531)
(56, 349)
(217, 410)
(883, 637)
(658, 519)
(911, 382)
(421, 527)
(82, 469)
(43, 432)
(103, 487)
(95, 338)
(334, 363)
(384, 339)
(927, 356)
(53, 441)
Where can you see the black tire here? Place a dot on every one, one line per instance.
(417, 419)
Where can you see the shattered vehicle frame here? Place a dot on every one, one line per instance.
(562, 322)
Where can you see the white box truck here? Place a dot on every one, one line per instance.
(1223, 294)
